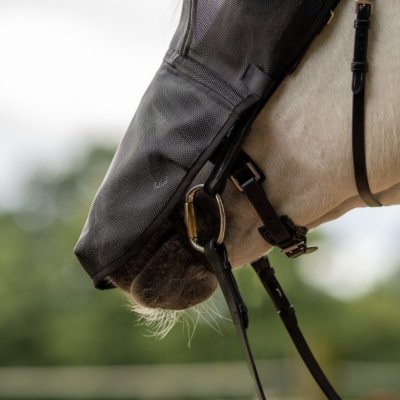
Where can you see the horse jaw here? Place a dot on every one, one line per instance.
(302, 138)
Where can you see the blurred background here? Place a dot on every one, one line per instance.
(71, 76)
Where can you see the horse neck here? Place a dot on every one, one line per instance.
(302, 139)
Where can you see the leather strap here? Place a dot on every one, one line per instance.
(288, 316)
(359, 68)
(228, 152)
(278, 231)
(218, 259)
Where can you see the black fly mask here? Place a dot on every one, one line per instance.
(226, 59)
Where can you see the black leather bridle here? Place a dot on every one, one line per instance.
(231, 162)
(359, 67)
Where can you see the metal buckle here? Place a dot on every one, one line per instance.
(298, 249)
(292, 249)
(295, 250)
(253, 169)
(191, 218)
(360, 3)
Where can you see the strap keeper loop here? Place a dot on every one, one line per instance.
(362, 24)
(359, 66)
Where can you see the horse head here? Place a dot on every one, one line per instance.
(301, 140)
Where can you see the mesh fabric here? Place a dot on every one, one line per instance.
(202, 88)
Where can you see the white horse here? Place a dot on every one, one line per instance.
(302, 141)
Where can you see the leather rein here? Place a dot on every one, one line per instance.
(232, 163)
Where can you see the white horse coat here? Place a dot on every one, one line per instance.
(302, 138)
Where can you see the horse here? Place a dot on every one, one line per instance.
(301, 140)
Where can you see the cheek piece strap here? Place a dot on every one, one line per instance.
(359, 68)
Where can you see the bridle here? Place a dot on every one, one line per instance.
(230, 162)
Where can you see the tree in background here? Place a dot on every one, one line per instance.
(50, 313)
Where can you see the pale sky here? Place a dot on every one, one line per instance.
(73, 71)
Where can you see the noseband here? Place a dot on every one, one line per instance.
(230, 162)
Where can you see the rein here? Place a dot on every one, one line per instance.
(231, 162)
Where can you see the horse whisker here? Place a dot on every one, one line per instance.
(161, 321)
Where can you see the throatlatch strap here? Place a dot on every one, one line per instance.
(218, 259)
(288, 316)
(360, 68)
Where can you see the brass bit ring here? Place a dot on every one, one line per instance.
(191, 218)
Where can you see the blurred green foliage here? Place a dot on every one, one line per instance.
(52, 315)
